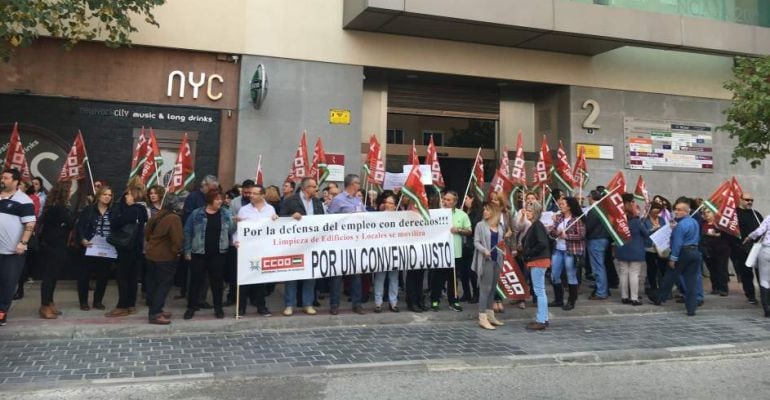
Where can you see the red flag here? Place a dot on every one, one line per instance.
(519, 174)
(412, 158)
(723, 203)
(435, 168)
(501, 182)
(580, 172)
(737, 191)
(544, 165)
(74, 164)
(260, 178)
(319, 170)
(511, 283)
(183, 174)
(640, 192)
(15, 158)
(375, 165)
(137, 161)
(611, 211)
(152, 163)
(477, 176)
(563, 170)
(415, 191)
(299, 167)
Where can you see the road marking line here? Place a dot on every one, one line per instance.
(152, 379)
(701, 347)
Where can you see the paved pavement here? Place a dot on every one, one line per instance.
(84, 347)
(266, 351)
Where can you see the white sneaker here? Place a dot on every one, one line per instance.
(310, 311)
(288, 311)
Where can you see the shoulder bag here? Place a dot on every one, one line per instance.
(123, 238)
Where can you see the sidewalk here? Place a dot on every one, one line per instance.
(24, 323)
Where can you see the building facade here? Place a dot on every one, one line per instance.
(637, 82)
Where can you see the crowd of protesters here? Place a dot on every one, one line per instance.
(163, 241)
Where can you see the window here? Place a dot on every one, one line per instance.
(438, 137)
(395, 136)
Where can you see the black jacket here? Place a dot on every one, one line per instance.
(294, 204)
(123, 214)
(594, 227)
(87, 223)
(535, 244)
(56, 226)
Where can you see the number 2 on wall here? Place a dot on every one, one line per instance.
(590, 121)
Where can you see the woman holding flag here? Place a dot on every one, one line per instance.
(487, 262)
(569, 232)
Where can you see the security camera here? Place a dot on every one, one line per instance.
(235, 58)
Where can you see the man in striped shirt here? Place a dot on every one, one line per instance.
(17, 221)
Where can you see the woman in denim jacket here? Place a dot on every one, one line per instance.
(207, 237)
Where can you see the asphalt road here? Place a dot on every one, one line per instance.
(734, 377)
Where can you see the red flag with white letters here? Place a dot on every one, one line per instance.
(518, 173)
(15, 158)
(183, 174)
(544, 165)
(74, 167)
(435, 168)
(375, 165)
(563, 169)
(299, 166)
(612, 212)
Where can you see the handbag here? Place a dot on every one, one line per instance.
(123, 238)
(751, 260)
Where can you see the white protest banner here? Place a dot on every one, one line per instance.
(393, 181)
(343, 244)
(662, 238)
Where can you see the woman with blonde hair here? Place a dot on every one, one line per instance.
(487, 262)
(535, 249)
(501, 201)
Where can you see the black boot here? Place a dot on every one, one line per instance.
(573, 289)
(764, 295)
(558, 294)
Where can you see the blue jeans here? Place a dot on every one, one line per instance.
(290, 293)
(596, 249)
(336, 290)
(688, 266)
(379, 286)
(538, 283)
(698, 284)
(560, 260)
(11, 266)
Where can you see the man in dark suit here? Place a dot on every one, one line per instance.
(302, 203)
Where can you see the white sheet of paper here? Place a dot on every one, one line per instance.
(547, 218)
(662, 238)
(393, 181)
(101, 248)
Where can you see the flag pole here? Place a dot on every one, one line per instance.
(591, 208)
(470, 179)
(88, 163)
